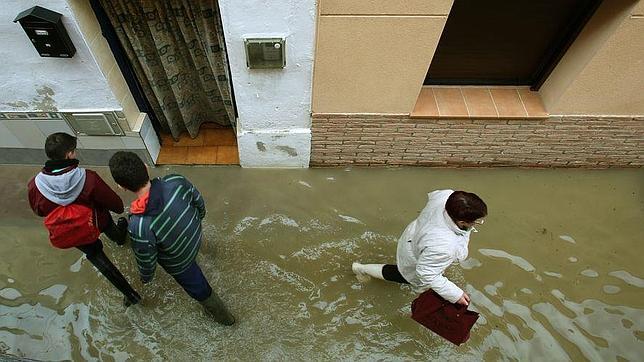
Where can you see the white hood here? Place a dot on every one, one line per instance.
(61, 189)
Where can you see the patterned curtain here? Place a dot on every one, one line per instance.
(178, 53)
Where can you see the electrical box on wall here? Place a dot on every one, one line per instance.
(46, 31)
(265, 53)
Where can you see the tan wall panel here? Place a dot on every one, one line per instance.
(612, 82)
(393, 7)
(639, 8)
(372, 64)
(598, 73)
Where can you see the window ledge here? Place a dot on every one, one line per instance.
(478, 102)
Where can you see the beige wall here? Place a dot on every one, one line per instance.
(603, 71)
(372, 56)
(389, 7)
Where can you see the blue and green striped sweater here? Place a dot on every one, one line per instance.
(169, 229)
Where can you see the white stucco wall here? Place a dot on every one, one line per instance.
(274, 105)
(29, 82)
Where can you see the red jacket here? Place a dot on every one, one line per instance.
(96, 194)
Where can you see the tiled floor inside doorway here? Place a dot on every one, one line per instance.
(214, 145)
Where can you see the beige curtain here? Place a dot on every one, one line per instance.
(178, 53)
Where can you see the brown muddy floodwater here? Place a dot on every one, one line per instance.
(556, 271)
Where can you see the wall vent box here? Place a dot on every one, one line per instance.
(46, 31)
(94, 124)
(265, 53)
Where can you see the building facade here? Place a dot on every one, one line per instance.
(370, 106)
(369, 83)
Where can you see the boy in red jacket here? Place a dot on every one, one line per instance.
(61, 183)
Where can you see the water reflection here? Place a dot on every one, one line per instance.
(280, 257)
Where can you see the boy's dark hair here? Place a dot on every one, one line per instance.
(58, 144)
(128, 170)
(465, 206)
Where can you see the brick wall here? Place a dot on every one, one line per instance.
(379, 140)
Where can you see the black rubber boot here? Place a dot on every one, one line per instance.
(216, 308)
(117, 232)
(109, 270)
(131, 300)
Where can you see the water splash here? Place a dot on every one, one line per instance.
(516, 260)
(350, 219)
(567, 238)
(628, 278)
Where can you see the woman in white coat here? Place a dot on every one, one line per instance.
(436, 239)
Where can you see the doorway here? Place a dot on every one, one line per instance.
(501, 42)
(174, 54)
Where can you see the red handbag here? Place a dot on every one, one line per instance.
(449, 320)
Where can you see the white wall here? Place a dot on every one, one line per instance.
(29, 82)
(274, 105)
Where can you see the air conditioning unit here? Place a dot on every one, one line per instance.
(94, 124)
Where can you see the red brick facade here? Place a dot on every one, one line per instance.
(380, 140)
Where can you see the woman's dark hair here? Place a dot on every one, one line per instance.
(128, 170)
(58, 144)
(465, 206)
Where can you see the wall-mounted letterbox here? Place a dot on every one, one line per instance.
(46, 31)
(265, 53)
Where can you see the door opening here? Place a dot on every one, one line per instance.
(500, 42)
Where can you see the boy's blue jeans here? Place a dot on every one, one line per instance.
(194, 282)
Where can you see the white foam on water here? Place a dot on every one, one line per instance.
(244, 224)
(281, 219)
(567, 238)
(56, 291)
(481, 300)
(470, 263)
(332, 247)
(10, 280)
(350, 219)
(589, 273)
(317, 225)
(490, 289)
(320, 304)
(372, 237)
(48, 334)
(591, 318)
(516, 260)
(572, 259)
(526, 290)
(552, 274)
(75, 268)
(303, 183)
(10, 293)
(304, 311)
(611, 289)
(628, 278)
(331, 178)
(297, 281)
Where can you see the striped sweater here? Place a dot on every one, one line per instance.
(168, 230)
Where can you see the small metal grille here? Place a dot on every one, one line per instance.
(94, 124)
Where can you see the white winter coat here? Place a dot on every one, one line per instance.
(429, 245)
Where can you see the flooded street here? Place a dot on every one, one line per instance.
(556, 271)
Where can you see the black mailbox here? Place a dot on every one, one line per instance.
(46, 31)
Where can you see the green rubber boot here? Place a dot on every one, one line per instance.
(216, 308)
